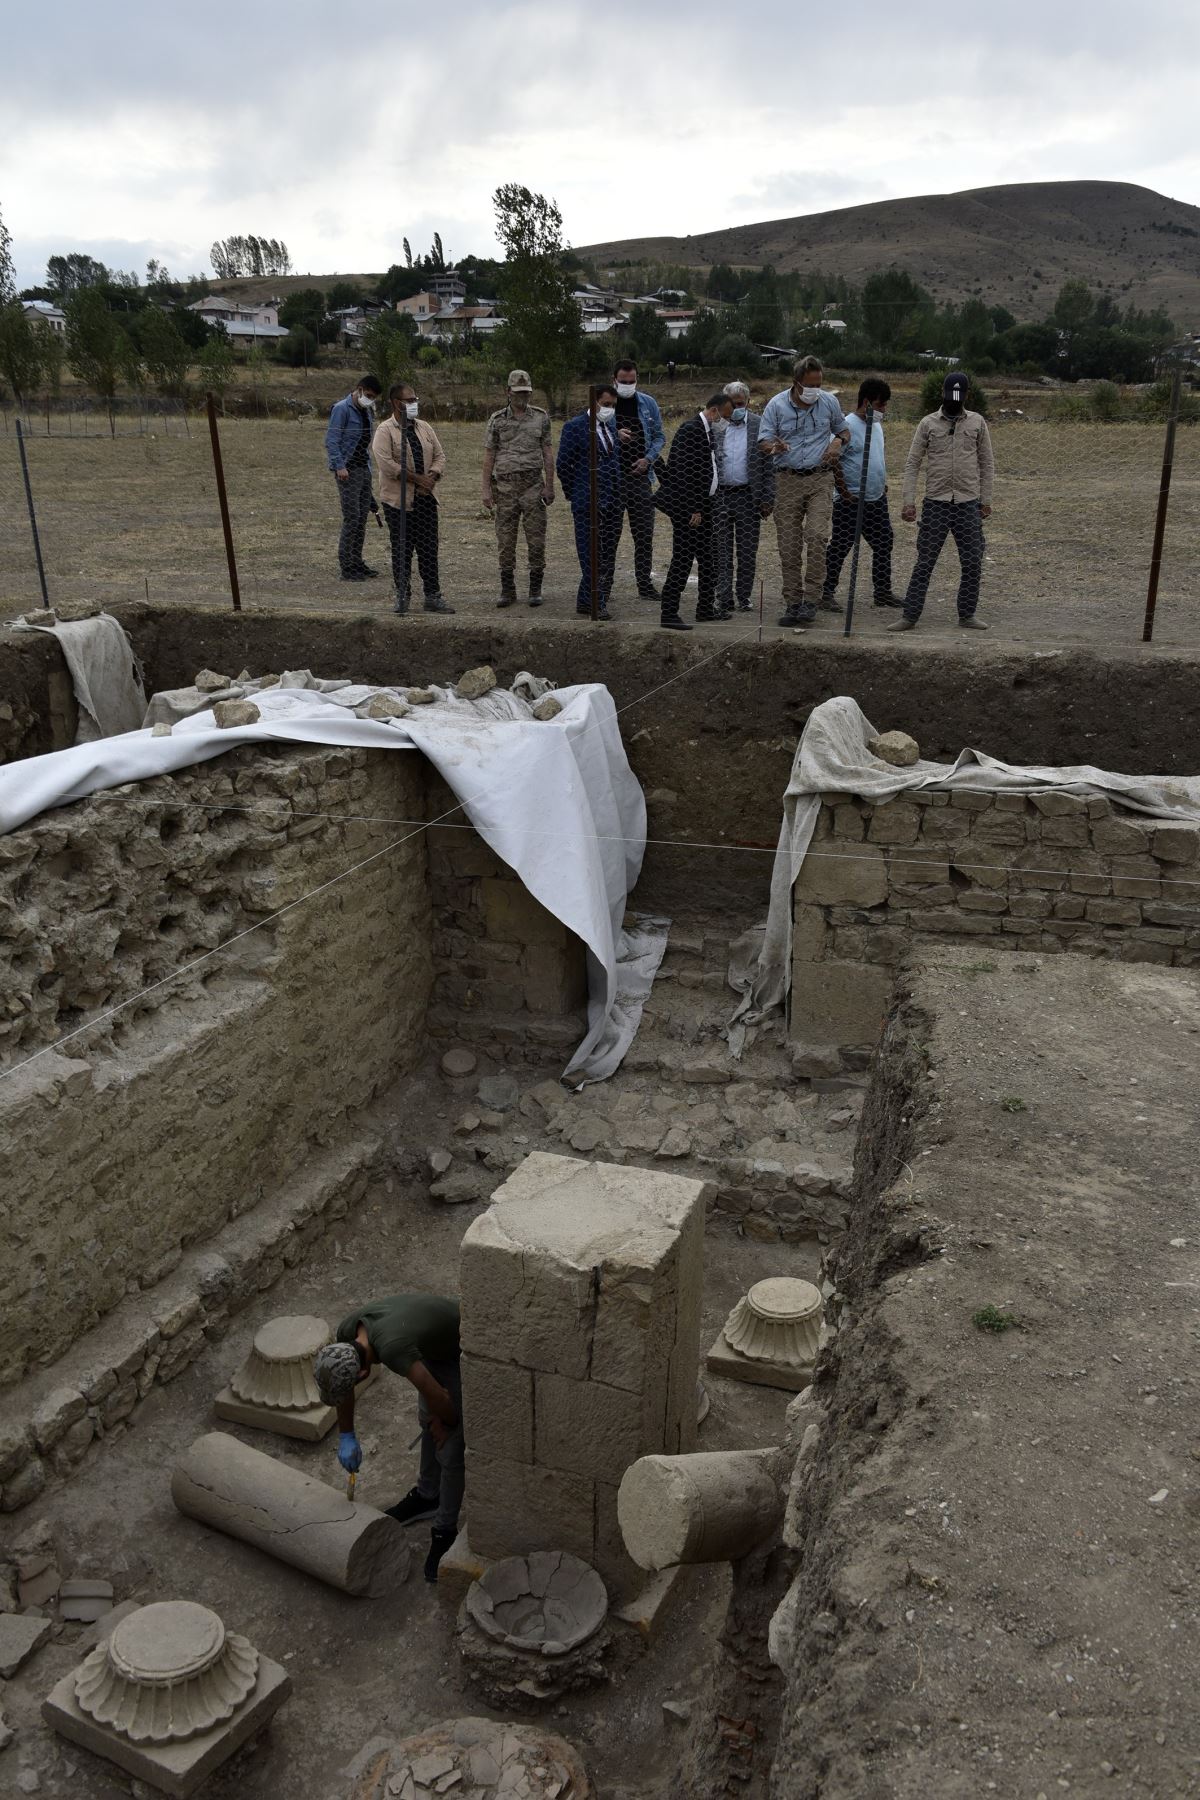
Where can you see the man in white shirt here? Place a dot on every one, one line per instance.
(745, 497)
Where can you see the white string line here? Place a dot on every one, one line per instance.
(423, 825)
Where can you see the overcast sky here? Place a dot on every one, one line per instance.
(152, 130)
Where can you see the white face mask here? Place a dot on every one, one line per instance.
(626, 390)
(366, 402)
(808, 395)
(605, 413)
(411, 408)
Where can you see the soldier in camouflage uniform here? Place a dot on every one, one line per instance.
(518, 484)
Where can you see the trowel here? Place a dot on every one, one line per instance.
(350, 1481)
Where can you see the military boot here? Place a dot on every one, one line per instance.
(508, 588)
(535, 586)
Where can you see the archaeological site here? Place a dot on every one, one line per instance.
(782, 1063)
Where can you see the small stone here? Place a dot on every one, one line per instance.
(467, 1124)
(585, 1136)
(20, 1636)
(25, 1486)
(230, 713)
(476, 683)
(440, 1161)
(895, 747)
(78, 609)
(27, 1781)
(678, 1709)
(1157, 1499)
(160, 730)
(547, 707)
(462, 1188)
(85, 1601)
(458, 1061)
(384, 706)
(499, 1093)
(60, 1409)
(838, 1121)
(420, 696)
(678, 1142)
(6, 1733)
(209, 682)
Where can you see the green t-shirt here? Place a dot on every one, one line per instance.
(406, 1328)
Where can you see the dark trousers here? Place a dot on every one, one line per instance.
(636, 501)
(442, 1475)
(736, 525)
(877, 532)
(606, 554)
(421, 536)
(355, 496)
(691, 544)
(941, 519)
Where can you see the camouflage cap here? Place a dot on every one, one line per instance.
(519, 382)
(336, 1372)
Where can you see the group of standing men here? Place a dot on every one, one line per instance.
(801, 460)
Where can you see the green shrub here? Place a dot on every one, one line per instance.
(1106, 402)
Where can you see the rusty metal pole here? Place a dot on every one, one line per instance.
(593, 508)
(223, 498)
(1164, 490)
(33, 525)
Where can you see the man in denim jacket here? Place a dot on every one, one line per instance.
(348, 448)
(641, 441)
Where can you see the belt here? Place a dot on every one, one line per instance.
(817, 469)
(733, 487)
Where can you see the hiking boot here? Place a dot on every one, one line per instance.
(675, 623)
(971, 624)
(508, 588)
(412, 1509)
(535, 586)
(903, 625)
(400, 603)
(435, 603)
(439, 1543)
(827, 603)
(798, 615)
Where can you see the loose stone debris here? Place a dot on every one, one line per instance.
(470, 1759)
(383, 706)
(420, 696)
(895, 747)
(476, 683)
(230, 713)
(547, 708)
(533, 1628)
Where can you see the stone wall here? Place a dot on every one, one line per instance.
(506, 971)
(144, 1138)
(1043, 872)
(37, 698)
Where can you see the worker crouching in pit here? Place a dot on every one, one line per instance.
(415, 1335)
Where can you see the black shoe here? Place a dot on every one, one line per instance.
(798, 615)
(675, 623)
(367, 574)
(412, 1509)
(435, 603)
(439, 1543)
(829, 604)
(649, 593)
(508, 588)
(535, 586)
(724, 612)
(743, 606)
(889, 600)
(709, 617)
(353, 575)
(400, 606)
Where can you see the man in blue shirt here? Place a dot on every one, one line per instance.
(876, 523)
(348, 449)
(803, 431)
(641, 440)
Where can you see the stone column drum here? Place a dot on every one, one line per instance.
(581, 1290)
(225, 1484)
(713, 1507)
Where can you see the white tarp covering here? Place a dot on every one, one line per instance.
(556, 799)
(832, 758)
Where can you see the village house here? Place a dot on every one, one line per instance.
(47, 315)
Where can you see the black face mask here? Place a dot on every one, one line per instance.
(954, 392)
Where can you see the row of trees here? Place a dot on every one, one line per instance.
(232, 257)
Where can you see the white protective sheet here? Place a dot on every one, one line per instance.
(832, 758)
(556, 799)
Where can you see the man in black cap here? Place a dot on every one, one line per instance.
(955, 444)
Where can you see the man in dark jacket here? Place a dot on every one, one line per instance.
(687, 492)
(745, 498)
(572, 468)
(348, 450)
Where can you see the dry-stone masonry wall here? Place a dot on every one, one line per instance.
(1039, 872)
(142, 1139)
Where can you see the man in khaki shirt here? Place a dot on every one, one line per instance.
(411, 463)
(518, 484)
(957, 449)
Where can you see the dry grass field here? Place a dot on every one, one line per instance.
(1068, 544)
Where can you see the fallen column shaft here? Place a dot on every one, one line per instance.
(710, 1507)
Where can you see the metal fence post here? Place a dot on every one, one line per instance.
(1164, 490)
(221, 496)
(593, 509)
(33, 525)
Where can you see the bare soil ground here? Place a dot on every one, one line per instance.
(1068, 544)
(1002, 1594)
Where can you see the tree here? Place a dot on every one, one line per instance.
(164, 351)
(68, 274)
(53, 353)
(437, 256)
(305, 307)
(1002, 319)
(239, 255)
(723, 284)
(407, 254)
(21, 359)
(646, 334)
(1073, 308)
(8, 285)
(892, 305)
(387, 345)
(217, 365)
(343, 293)
(542, 330)
(95, 343)
(301, 348)
(399, 283)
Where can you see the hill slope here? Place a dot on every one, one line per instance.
(1014, 245)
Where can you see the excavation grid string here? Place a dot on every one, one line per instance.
(217, 949)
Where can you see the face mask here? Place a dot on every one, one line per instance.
(412, 407)
(808, 395)
(738, 415)
(605, 413)
(626, 390)
(366, 402)
(953, 394)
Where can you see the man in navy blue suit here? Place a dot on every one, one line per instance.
(572, 469)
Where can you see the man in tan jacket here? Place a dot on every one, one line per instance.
(411, 463)
(955, 445)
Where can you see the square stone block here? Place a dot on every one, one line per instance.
(587, 1428)
(515, 917)
(840, 1003)
(308, 1423)
(723, 1359)
(20, 1636)
(515, 1508)
(176, 1769)
(498, 1408)
(848, 875)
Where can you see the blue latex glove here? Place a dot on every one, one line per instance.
(349, 1452)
